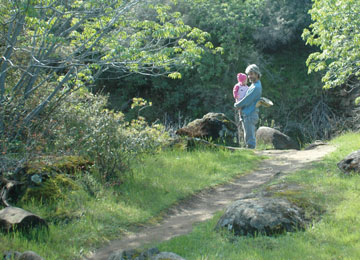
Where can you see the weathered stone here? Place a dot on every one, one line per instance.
(116, 256)
(167, 256)
(11, 255)
(350, 163)
(27, 255)
(150, 252)
(30, 255)
(134, 254)
(215, 126)
(260, 215)
(12, 218)
(268, 135)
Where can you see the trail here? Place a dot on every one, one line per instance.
(202, 206)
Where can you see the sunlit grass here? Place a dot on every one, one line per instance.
(81, 221)
(336, 235)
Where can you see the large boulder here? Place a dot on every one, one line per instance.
(280, 141)
(350, 163)
(214, 126)
(262, 215)
(13, 218)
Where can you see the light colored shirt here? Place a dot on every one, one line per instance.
(248, 103)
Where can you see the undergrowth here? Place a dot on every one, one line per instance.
(94, 213)
(334, 235)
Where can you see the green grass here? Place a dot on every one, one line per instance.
(82, 221)
(336, 235)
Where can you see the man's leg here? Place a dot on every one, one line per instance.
(249, 123)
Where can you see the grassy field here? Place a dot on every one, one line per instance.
(84, 220)
(333, 235)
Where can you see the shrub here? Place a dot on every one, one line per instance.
(85, 127)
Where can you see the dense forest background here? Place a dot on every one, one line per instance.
(121, 76)
(93, 91)
(267, 33)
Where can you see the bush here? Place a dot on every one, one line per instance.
(85, 127)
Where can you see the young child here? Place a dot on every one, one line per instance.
(239, 90)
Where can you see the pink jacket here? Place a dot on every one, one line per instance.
(239, 91)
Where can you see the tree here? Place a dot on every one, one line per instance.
(336, 30)
(281, 23)
(53, 47)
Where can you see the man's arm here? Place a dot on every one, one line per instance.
(251, 97)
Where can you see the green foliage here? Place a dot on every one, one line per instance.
(281, 23)
(357, 101)
(263, 32)
(57, 164)
(335, 30)
(80, 221)
(53, 48)
(54, 188)
(85, 127)
(333, 236)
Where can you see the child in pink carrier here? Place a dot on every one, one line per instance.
(240, 89)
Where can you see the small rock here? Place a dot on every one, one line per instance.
(30, 255)
(167, 256)
(11, 255)
(350, 163)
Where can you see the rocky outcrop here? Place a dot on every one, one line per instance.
(350, 163)
(261, 215)
(214, 126)
(280, 141)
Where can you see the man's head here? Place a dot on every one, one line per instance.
(253, 73)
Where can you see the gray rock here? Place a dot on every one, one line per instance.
(125, 255)
(268, 135)
(30, 255)
(134, 254)
(350, 163)
(150, 252)
(261, 215)
(11, 255)
(167, 256)
(116, 256)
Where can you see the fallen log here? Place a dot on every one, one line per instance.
(13, 218)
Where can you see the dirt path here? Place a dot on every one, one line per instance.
(203, 205)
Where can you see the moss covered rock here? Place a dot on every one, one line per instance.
(57, 164)
(53, 188)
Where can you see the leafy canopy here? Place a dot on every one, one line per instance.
(50, 48)
(336, 30)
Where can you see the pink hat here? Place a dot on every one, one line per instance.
(241, 77)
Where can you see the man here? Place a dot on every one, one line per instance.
(250, 113)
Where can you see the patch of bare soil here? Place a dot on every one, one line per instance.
(202, 206)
